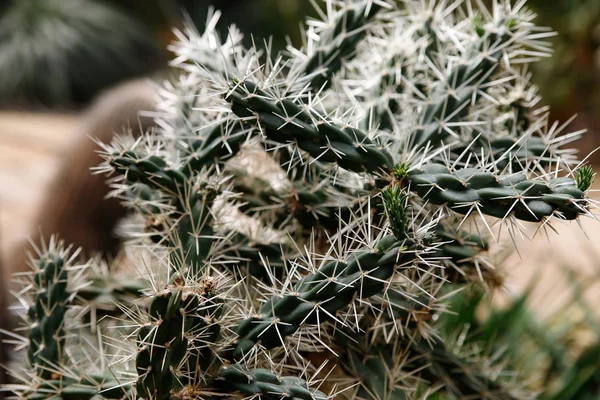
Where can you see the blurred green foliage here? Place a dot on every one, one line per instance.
(560, 354)
(571, 78)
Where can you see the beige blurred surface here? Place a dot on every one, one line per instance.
(546, 259)
(32, 146)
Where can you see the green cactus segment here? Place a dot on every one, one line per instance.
(260, 255)
(264, 384)
(193, 235)
(390, 87)
(527, 200)
(168, 356)
(377, 369)
(584, 177)
(151, 170)
(337, 44)
(373, 373)
(516, 151)
(212, 145)
(307, 206)
(405, 311)
(459, 254)
(107, 295)
(450, 99)
(285, 121)
(83, 389)
(317, 297)
(46, 315)
(460, 377)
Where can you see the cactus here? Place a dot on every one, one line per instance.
(307, 218)
(62, 53)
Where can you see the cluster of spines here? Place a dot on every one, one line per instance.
(168, 359)
(57, 290)
(374, 246)
(294, 118)
(47, 315)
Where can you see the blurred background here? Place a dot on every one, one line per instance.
(75, 69)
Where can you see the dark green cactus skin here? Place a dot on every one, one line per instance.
(373, 365)
(265, 384)
(527, 200)
(372, 371)
(46, 314)
(286, 121)
(516, 151)
(299, 202)
(458, 255)
(260, 255)
(407, 311)
(460, 376)
(165, 361)
(83, 389)
(462, 244)
(213, 146)
(107, 294)
(192, 237)
(393, 85)
(465, 80)
(389, 84)
(331, 288)
(148, 169)
(340, 43)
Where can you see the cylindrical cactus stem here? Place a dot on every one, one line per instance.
(106, 294)
(259, 256)
(337, 44)
(85, 388)
(450, 99)
(470, 189)
(318, 296)
(264, 383)
(307, 206)
(462, 256)
(151, 170)
(213, 145)
(458, 374)
(192, 235)
(47, 312)
(513, 150)
(372, 370)
(390, 87)
(167, 357)
(392, 84)
(287, 121)
(188, 227)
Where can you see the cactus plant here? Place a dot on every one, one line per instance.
(305, 218)
(59, 53)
